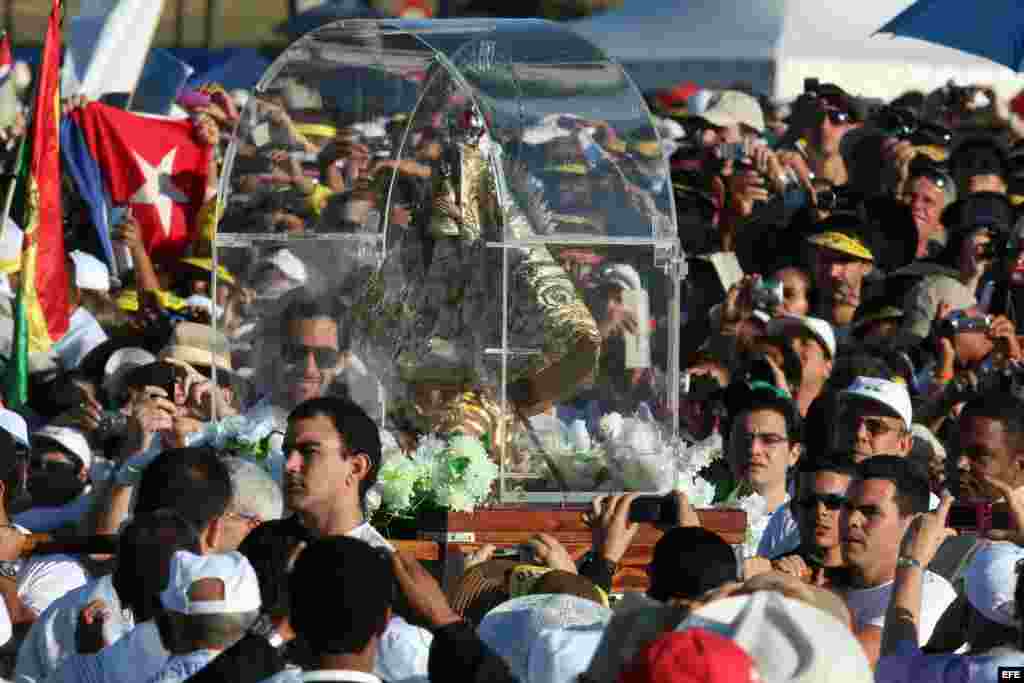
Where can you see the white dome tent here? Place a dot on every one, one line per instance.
(775, 44)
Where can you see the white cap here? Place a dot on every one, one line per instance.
(289, 264)
(732, 108)
(70, 440)
(120, 363)
(90, 272)
(511, 628)
(819, 329)
(10, 248)
(790, 641)
(991, 579)
(892, 395)
(241, 587)
(14, 424)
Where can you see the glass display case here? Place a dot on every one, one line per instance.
(466, 226)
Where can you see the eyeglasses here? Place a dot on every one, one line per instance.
(831, 501)
(875, 425)
(324, 356)
(40, 464)
(770, 440)
(253, 519)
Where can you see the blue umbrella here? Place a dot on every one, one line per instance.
(301, 24)
(993, 29)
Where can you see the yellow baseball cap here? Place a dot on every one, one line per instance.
(207, 264)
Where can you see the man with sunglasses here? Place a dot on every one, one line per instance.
(310, 354)
(26, 586)
(929, 191)
(820, 494)
(830, 114)
(58, 479)
(874, 419)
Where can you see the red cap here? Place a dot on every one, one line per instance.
(692, 656)
(677, 96)
(1017, 104)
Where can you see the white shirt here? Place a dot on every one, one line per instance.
(403, 652)
(138, 656)
(44, 578)
(51, 639)
(868, 605)
(366, 532)
(181, 667)
(84, 334)
(782, 534)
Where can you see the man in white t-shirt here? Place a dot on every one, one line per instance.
(881, 503)
(28, 586)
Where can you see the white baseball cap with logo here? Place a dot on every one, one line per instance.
(818, 328)
(71, 440)
(892, 395)
(233, 570)
(991, 578)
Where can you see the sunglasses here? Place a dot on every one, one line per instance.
(836, 117)
(324, 356)
(38, 464)
(874, 425)
(831, 501)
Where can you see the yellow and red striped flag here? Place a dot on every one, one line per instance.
(41, 312)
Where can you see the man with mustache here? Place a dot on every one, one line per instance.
(882, 502)
(842, 258)
(820, 495)
(332, 450)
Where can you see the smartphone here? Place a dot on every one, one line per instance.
(732, 151)
(978, 517)
(655, 510)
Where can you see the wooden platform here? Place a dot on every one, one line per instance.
(460, 533)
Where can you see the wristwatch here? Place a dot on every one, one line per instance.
(8, 569)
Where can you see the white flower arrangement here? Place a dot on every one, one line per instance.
(758, 515)
(456, 474)
(629, 453)
(252, 439)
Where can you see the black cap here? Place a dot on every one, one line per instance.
(980, 155)
(157, 374)
(980, 210)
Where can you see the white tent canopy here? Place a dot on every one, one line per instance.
(775, 44)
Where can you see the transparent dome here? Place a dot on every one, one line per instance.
(484, 209)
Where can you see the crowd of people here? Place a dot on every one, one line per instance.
(849, 345)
